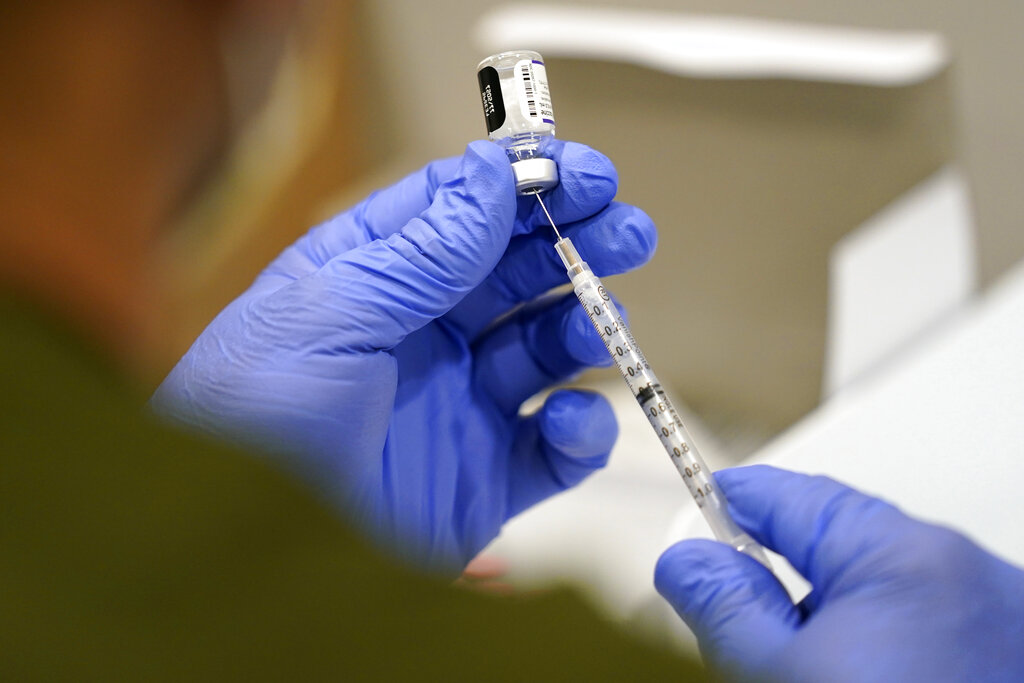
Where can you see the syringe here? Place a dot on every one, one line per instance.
(517, 107)
(653, 401)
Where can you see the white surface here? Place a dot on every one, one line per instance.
(941, 434)
(897, 276)
(716, 46)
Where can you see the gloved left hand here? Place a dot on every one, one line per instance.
(894, 599)
(367, 353)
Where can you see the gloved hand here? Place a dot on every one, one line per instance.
(366, 352)
(894, 599)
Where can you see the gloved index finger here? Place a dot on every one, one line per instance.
(587, 184)
(387, 211)
(379, 216)
(370, 298)
(821, 526)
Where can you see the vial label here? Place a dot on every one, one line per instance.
(534, 94)
(490, 97)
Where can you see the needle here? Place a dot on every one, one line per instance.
(550, 219)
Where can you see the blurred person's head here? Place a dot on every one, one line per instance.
(112, 113)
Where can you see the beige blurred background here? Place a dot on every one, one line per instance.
(750, 182)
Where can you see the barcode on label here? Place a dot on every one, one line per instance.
(531, 101)
(532, 94)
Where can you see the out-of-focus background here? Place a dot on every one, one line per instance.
(836, 189)
(751, 181)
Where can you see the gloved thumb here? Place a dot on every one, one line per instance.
(373, 296)
(740, 613)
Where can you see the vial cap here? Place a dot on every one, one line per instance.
(535, 175)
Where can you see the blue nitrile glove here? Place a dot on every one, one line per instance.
(894, 599)
(368, 351)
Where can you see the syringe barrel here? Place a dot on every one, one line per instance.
(655, 403)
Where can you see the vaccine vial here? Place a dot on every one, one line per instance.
(517, 108)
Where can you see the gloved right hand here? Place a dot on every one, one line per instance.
(385, 355)
(894, 599)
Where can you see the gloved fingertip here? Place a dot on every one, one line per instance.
(582, 341)
(579, 424)
(587, 183)
(629, 239)
(736, 478)
(680, 569)
(696, 574)
(641, 232)
(466, 228)
(485, 172)
(706, 580)
(440, 171)
(739, 611)
(619, 239)
(483, 154)
(484, 178)
(586, 163)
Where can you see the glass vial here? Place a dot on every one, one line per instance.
(517, 108)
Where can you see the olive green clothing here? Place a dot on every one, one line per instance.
(132, 551)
